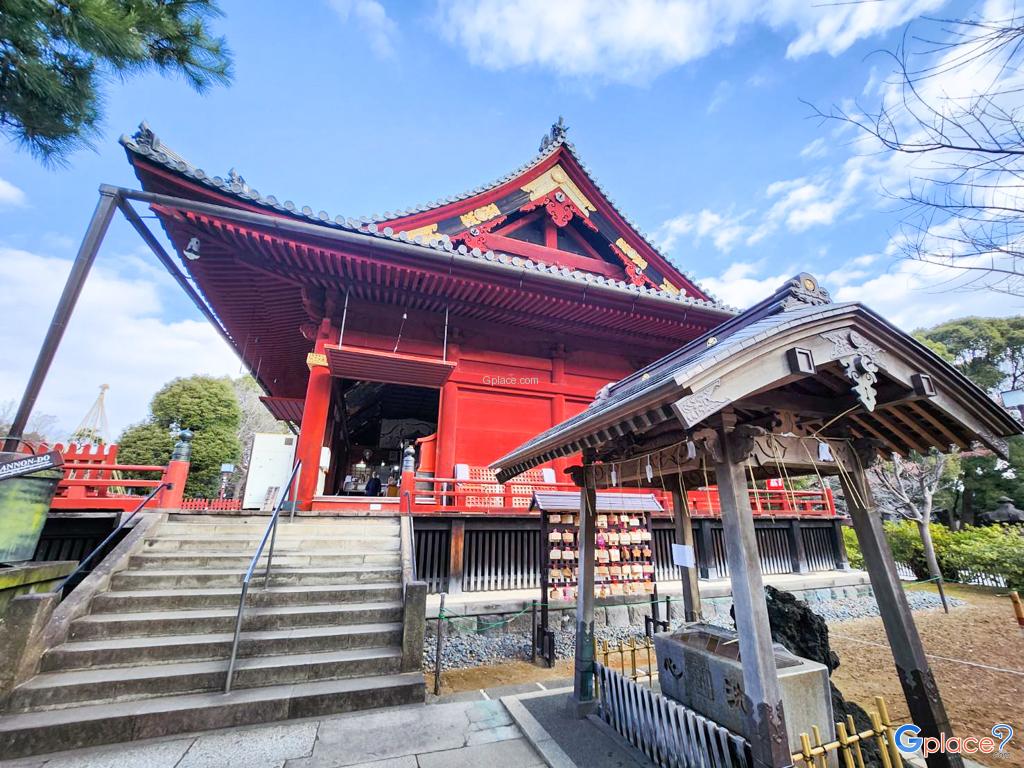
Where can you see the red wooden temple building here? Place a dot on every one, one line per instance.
(462, 328)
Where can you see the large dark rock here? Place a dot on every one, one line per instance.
(805, 633)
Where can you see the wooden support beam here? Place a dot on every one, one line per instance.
(769, 740)
(916, 429)
(684, 535)
(769, 454)
(583, 695)
(901, 432)
(797, 550)
(805, 405)
(866, 426)
(937, 424)
(919, 687)
(456, 556)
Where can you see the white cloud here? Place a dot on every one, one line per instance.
(917, 295)
(723, 230)
(723, 92)
(817, 148)
(10, 194)
(834, 27)
(796, 204)
(117, 336)
(738, 287)
(636, 40)
(911, 295)
(372, 19)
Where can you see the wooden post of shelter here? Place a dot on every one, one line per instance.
(583, 696)
(927, 710)
(684, 535)
(769, 740)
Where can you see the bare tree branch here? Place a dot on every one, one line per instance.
(966, 211)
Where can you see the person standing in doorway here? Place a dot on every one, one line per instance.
(373, 485)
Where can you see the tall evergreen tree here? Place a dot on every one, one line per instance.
(54, 54)
(203, 404)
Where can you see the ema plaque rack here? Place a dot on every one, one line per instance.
(624, 569)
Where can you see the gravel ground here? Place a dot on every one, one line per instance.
(470, 650)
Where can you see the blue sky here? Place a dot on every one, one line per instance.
(688, 112)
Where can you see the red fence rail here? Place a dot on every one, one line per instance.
(476, 495)
(93, 478)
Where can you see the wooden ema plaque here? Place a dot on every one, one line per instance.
(623, 562)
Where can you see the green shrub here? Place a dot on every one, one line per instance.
(905, 541)
(996, 550)
(853, 552)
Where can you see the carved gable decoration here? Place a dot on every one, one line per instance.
(692, 409)
(551, 211)
(804, 291)
(860, 359)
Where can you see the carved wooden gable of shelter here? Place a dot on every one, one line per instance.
(795, 364)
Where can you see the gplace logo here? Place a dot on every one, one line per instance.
(909, 740)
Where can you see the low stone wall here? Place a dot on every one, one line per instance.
(27, 601)
(515, 617)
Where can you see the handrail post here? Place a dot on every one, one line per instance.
(270, 552)
(238, 632)
(269, 532)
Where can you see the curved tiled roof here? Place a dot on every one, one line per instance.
(145, 143)
(550, 144)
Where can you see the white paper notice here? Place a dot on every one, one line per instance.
(682, 555)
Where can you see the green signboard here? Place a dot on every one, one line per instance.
(26, 490)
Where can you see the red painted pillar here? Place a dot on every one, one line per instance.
(314, 415)
(446, 429)
(447, 418)
(558, 404)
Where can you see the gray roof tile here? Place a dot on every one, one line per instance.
(144, 143)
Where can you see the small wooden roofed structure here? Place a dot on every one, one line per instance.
(794, 385)
(568, 501)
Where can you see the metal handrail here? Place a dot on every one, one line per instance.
(271, 534)
(88, 558)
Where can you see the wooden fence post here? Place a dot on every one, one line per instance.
(456, 556)
(797, 551)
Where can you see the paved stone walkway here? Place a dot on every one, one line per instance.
(476, 733)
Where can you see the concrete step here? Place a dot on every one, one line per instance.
(211, 620)
(128, 651)
(35, 733)
(185, 578)
(215, 560)
(65, 688)
(224, 597)
(284, 544)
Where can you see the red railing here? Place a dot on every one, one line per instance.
(476, 495)
(93, 478)
(704, 502)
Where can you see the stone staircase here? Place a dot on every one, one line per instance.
(150, 658)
